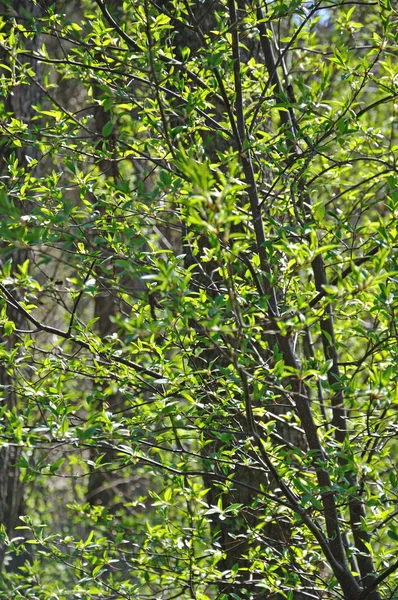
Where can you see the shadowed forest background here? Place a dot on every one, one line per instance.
(198, 295)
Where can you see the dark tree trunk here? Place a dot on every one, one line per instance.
(19, 102)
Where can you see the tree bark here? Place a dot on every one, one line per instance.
(19, 102)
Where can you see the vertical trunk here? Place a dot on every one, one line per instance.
(105, 486)
(19, 102)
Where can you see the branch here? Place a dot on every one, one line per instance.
(378, 580)
(214, 124)
(335, 544)
(357, 262)
(165, 59)
(11, 301)
(129, 41)
(377, 103)
(298, 509)
(79, 297)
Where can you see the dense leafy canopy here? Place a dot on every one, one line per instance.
(198, 283)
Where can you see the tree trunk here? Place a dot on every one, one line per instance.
(19, 102)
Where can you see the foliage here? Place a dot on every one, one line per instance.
(220, 179)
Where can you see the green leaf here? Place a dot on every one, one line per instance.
(8, 328)
(107, 129)
(319, 212)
